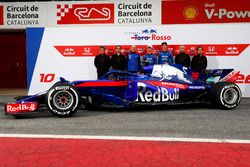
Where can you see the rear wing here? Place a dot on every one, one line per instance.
(219, 75)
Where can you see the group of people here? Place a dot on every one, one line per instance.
(134, 63)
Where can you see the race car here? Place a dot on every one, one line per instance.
(159, 85)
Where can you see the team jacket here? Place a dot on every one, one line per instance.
(165, 57)
(118, 62)
(134, 62)
(199, 63)
(183, 59)
(102, 63)
(149, 59)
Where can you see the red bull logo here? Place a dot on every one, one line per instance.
(21, 107)
(161, 95)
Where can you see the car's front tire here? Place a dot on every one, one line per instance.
(63, 100)
(225, 95)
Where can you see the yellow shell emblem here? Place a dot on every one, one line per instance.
(190, 13)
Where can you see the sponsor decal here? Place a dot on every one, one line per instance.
(47, 78)
(242, 79)
(1, 15)
(231, 77)
(69, 51)
(190, 13)
(129, 12)
(81, 51)
(167, 72)
(22, 14)
(167, 84)
(221, 13)
(87, 51)
(213, 50)
(85, 13)
(160, 95)
(62, 88)
(21, 107)
(232, 50)
(237, 77)
(186, 12)
(210, 50)
(196, 87)
(150, 34)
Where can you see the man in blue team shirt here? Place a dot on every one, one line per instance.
(134, 61)
(165, 57)
(149, 59)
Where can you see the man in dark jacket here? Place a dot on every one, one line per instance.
(118, 61)
(183, 58)
(102, 62)
(134, 60)
(199, 62)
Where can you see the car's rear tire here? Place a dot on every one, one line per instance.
(63, 100)
(225, 95)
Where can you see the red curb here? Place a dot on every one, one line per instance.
(35, 152)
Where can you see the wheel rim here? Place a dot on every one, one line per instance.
(230, 96)
(63, 100)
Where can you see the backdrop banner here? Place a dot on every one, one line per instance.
(69, 51)
(119, 12)
(205, 11)
(23, 14)
(79, 13)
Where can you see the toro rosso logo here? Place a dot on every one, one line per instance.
(150, 33)
(160, 95)
(153, 37)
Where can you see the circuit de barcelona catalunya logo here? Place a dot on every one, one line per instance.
(150, 34)
(1, 15)
(159, 95)
(85, 13)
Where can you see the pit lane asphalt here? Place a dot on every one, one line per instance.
(189, 121)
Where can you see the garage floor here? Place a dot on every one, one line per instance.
(14, 92)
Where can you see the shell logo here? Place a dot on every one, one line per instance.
(190, 12)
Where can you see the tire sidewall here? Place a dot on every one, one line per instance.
(223, 89)
(63, 87)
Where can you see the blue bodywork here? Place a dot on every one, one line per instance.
(160, 84)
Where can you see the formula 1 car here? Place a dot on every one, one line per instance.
(160, 84)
